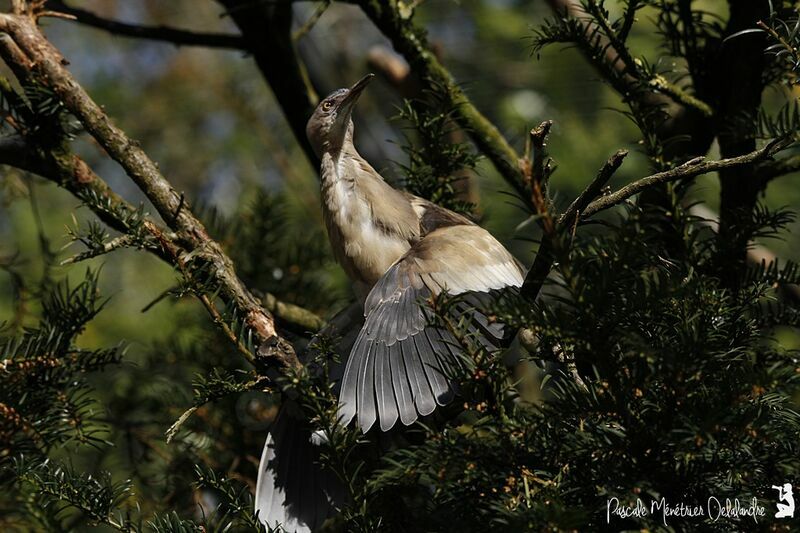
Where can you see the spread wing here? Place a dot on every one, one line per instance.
(398, 366)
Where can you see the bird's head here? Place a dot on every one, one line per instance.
(330, 124)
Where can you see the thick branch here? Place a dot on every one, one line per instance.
(409, 41)
(14, 152)
(155, 33)
(266, 26)
(690, 169)
(73, 174)
(293, 314)
(737, 81)
(536, 169)
(46, 65)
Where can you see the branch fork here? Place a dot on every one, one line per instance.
(34, 60)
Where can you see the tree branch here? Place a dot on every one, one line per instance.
(769, 170)
(552, 246)
(395, 23)
(308, 25)
(691, 119)
(690, 169)
(155, 33)
(15, 152)
(293, 314)
(70, 172)
(266, 26)
(588, 203)
(46, 65)
(593, 190)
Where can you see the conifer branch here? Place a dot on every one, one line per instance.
(615, 63)
(16, 152)
(769, 170)
(590, 201)
(40, 61)
(394, 20)
(166, 34)
(690, 169)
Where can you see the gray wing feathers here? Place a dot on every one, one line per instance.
(402, 390)
(393, 371)
(400, 367)
(437, 368)
(384, 389)
(292, 491)
(347, 394)
(365, 401)
(423, 396)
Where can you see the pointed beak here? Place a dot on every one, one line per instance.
(355, 91)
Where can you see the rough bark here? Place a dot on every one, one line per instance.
(33, 58)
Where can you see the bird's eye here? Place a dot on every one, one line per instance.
(326, 106)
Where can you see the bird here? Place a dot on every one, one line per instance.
(400, 251)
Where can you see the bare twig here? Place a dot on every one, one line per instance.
(312, 20)
(593, 190)
(552, 247)
(173, 429)
(534, 170)
(690, 169)
(539, 155)
(537, 175)
(121, 241)
(154, 33)
(586, 205)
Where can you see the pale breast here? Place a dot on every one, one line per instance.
(365, 248)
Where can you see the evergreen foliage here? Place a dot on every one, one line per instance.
(661, 383)
(437, 162)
